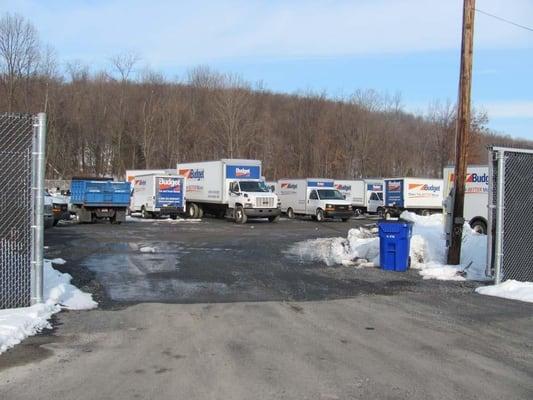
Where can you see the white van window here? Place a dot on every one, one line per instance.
(313, 195)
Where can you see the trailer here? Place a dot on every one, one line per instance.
(231, 188)
(157, 194)
(476, 195)
(315, 197)
(366, 195)
(420, 195)
(99, 198)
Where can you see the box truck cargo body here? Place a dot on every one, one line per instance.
(476, 194)
(228, 188)
(158, 194)
(420, 195)
(366, 195)
(315, 197)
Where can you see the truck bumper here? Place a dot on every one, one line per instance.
(262, 212)
(338, 214)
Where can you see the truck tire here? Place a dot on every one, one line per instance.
(425, 213)
(192, 210)
(319, 215)
(381, 212)
(345, 219)
(290, 213)
(114, 220)
(239, 215)
(479, 226)
(145, 214)
(274, 218)
(357, 212)
(200, 214)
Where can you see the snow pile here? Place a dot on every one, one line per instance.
(18, 323)
(428, 250)
(510, 289)
(136, 217)
(147, 249)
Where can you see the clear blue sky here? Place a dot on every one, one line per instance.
(408, 46)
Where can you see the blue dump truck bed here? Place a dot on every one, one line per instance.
(92, 193)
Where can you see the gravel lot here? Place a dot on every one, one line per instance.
(221, 311)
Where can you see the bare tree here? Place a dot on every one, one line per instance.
(19, 53)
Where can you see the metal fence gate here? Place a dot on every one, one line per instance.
(21, 205)
(510, 249)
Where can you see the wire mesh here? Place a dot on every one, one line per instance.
(517, 233)
(16, 144)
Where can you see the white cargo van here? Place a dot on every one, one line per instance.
(158, 194)
(476, 194)
(315, 197)
(230, 188)
(366, 195)
(420, 195)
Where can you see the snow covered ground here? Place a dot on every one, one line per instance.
(136, 217)
(18, 323)
(428, 250)
(428, 255)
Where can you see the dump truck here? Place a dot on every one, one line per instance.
(99, 198)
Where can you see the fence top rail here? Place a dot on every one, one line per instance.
(511, 149)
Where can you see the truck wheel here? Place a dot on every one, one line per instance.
(426, 213)
(274, 218)
(345, 219)
(240, 216)
(114, 220)
(479, 226)
(290, 213)
(192, 210)
(319, 215)
(145, 214)
(200, 213)
(173, 216)
(357, 212)
(380, 212)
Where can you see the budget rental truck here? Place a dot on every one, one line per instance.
(314, 197)
(158, 194)
(99, 198)
(365, 195)
(231, 188)
(420, 195)
(476, 195)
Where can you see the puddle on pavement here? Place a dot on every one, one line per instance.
(130, 275)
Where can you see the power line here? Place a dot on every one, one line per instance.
(504, 20)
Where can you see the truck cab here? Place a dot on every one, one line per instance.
(327, 203)
(252, 198)
(375, 201)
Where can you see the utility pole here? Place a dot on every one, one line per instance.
(462, 132)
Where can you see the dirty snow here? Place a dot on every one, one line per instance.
(136, 217)
(147, 249)
(18, 323)
(428, 250)
(510, 289)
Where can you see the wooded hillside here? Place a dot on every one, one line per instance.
(103, 123)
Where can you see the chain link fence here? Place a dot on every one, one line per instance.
(20, 220)
(510, 247)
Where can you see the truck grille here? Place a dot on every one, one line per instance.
(264, 202)
(341, 208)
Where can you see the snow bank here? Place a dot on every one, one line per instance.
(147, 249)
(428, 250)
(18, 323)
(136, 217)
(510, 289)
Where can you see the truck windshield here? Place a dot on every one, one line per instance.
(254, 186)
(330, 194)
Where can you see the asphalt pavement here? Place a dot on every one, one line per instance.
(222, 311)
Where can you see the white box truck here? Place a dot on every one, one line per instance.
(420, 195)
(366, 195)
(228, 188)
(476, 194)
(157, 194)
(315, 197)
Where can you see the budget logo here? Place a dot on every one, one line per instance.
(289, 186)
(242, 172)
(394, 186)
(192, 173)
(170, 185)
(424, 187)
(140, 182)
(345, 188)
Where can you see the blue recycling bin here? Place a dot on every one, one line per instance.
(394, 244)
